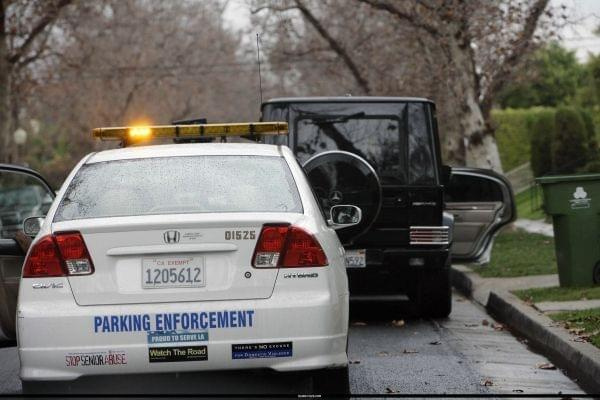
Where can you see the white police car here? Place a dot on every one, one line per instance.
(171, 258)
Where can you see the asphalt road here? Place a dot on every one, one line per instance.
(466, 353)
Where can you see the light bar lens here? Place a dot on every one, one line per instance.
(142, 133)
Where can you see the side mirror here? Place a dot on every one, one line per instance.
(32, 225)
(446, 174)
(343, 216)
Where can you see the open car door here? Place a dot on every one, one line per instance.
(23, 193)
(481, 202)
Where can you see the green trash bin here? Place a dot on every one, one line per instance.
(573, 201)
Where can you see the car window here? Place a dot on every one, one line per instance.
(377, 139)
(420, 155)
(469, 188)
(175, 185)
(21, 196)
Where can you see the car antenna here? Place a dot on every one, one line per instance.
(259, 72)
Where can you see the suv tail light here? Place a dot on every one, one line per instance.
(61, 254)
(285, 246)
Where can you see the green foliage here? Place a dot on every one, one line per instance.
(586, 322)
(508, 255)
(529, 203)
(590, 132)
(557, 293)
(569, 149)
(542, 135)
(592, 167)
(551, 79)
(513, 129)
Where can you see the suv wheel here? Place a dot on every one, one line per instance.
(332, 382)
(435, 293)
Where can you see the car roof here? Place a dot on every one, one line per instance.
(348, 99)
(186, 149)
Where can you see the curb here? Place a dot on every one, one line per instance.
(581, 360)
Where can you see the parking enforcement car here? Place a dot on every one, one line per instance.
(185, 257)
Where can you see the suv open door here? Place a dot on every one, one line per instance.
(481, 202)
(23, 193)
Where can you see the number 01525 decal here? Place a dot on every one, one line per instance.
(240, 235)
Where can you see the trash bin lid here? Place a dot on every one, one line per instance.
(544, 180)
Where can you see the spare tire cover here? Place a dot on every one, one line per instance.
(340, 177)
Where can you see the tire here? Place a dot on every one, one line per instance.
(435, 293)
(334, 382)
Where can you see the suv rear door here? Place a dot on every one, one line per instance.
(23, 193)
(481, 202)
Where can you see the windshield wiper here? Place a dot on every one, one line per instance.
(317, 119)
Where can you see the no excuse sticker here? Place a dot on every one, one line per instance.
(174, 321)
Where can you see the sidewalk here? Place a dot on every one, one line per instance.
(535, 226)
(569, 352)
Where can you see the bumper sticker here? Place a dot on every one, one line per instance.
(261, 350)
(174, 354)
(174, 321)
(95, 359)
(159, 337)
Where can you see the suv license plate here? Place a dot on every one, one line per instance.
(173, 272)
(356, 258)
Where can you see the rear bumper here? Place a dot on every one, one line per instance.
(52, 336)
(393, 272)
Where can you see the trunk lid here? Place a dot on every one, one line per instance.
(130, 255)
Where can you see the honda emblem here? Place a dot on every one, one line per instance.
(171, 237)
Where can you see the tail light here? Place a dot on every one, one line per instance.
(61, 254)
(285, 246)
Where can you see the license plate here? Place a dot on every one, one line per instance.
(173, 272)
(356, 258)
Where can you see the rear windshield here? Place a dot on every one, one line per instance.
(176, 185)
(396, 138)
(376, 139)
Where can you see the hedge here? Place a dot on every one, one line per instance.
(513, 133)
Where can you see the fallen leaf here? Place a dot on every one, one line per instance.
(383, 354)
(518, 390)
(398, 323)
(435, 343)
(388, 390)
(498, 327)
(487, 382)
(359, 323)
(546, 366)
(354, 361)
(485, 322)
(409, 351)
(471, 325)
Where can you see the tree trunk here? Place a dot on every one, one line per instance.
(4, 90)
(473, 144)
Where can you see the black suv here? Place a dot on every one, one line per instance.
(383, 155)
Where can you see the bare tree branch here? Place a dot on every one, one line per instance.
(412, 18)
(48, 18)
(335, 46)
(519, 47)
